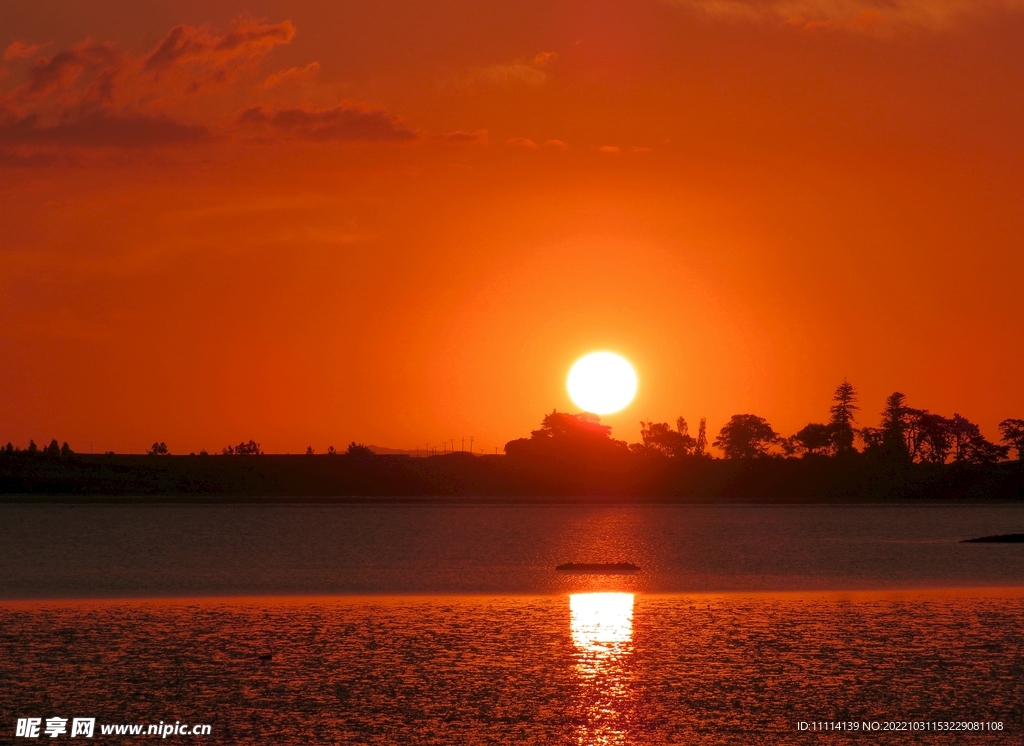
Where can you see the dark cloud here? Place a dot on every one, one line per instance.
(250, 37)
(343, 123)
(96, 96)
(177, 44)
(245, 39)
(101, 129)
(64, 68)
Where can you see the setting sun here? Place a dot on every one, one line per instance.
(602, 383)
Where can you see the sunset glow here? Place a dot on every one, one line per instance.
(311, 223)
(357, 358)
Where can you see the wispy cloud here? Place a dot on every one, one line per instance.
(459, 137)
(246, 39)
(855, 15)
(521, 142)
(293, 75)
(524, 71)
(19, 49)
(101, 129)
(346, 123)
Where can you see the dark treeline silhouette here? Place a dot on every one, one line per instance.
(912, 454)
(53, 449)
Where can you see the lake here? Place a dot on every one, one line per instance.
(447, 624)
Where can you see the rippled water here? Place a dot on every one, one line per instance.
(743, 622)
(544, 670)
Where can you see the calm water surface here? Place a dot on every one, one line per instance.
(145, 551)
(744, 621)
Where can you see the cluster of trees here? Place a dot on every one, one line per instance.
(354, 449)
(920, 435)
(658, 438)
(252, 448)
(159, 448)
(905, 433)
(51, 450)
(569, 435)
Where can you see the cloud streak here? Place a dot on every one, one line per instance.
(854, 15)
(531, 72)
(19, 49)
(293, 75)
(344, 123)
(459, 137)
(246, 39)
(101, 129)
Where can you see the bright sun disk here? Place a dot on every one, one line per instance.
(602, 383)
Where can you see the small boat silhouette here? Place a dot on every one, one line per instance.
(599, 568)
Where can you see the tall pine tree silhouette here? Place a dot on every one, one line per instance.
(845, 404)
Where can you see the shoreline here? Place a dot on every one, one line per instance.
(509, 500)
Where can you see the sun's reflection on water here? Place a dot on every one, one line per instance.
(601, 625)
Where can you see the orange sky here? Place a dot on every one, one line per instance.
(399, 222)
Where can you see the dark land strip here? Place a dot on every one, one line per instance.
(462, 478)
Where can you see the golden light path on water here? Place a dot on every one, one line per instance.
(601, 625)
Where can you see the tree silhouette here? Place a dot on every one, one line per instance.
(895, 425)
(814, 438)
(658, 438)
(309, 450)
(845, 398)
(359, 450)
(159, 449)
(1011, 429)
(575, 436)
(933, 441)
(565, 426)
(970, 446)
(701, 446)
(252, 448)
(746, 436)
(65, 450)
(331, 451)
(896, 438)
